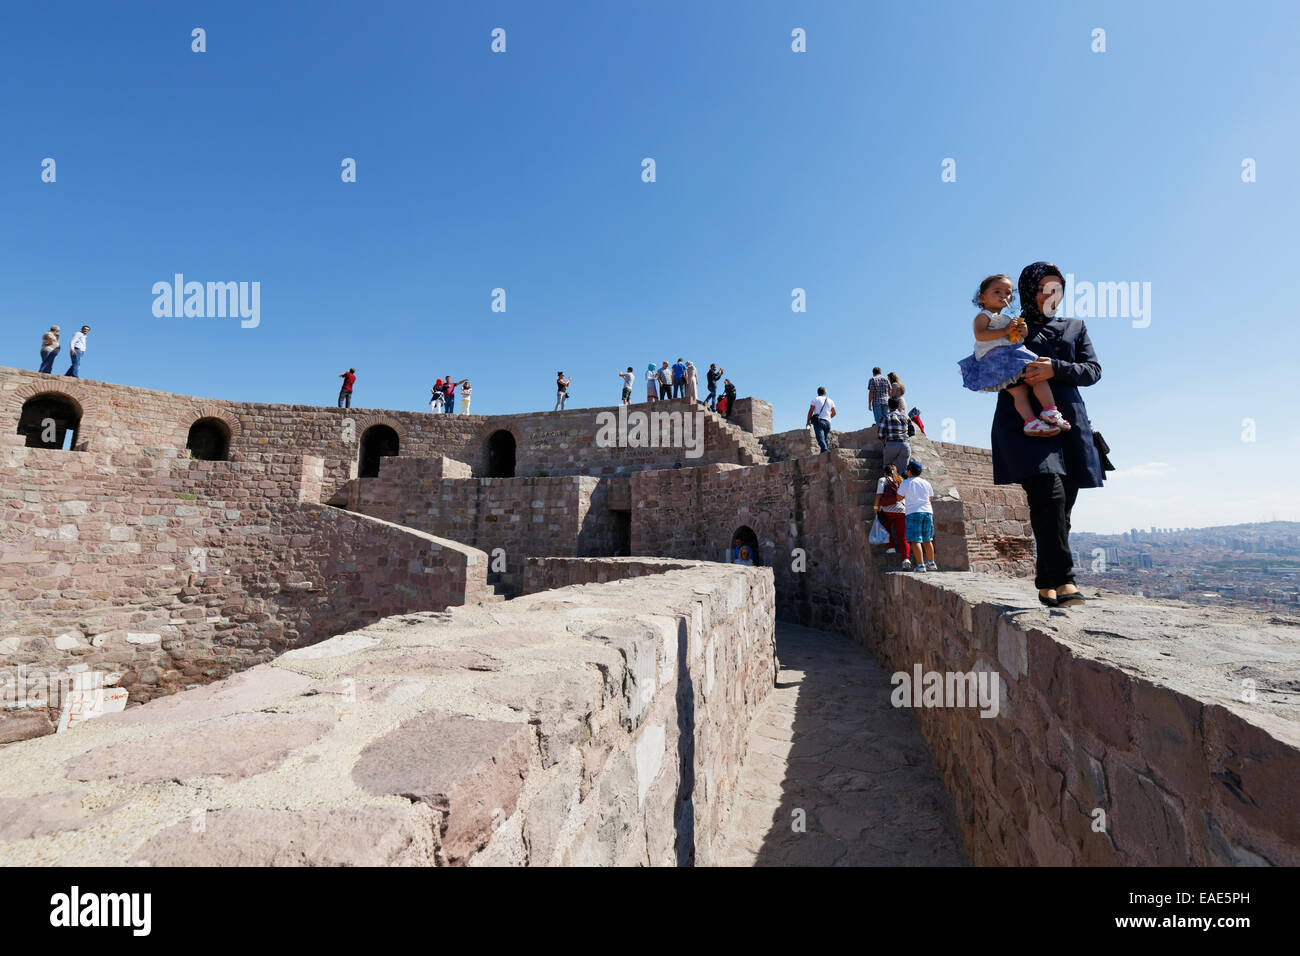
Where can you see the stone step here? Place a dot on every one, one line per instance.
(751, 450)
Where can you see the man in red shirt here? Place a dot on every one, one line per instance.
(345, 393)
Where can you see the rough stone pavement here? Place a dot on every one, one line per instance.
(828, 742)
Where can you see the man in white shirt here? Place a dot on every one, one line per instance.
(917, 494)
(820, 413)
(78, 350)
(628, 378)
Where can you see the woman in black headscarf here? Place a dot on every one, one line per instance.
(1051, 470)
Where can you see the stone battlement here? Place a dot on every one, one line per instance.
(226, 558)
(113, 418)
(591, 725)
(337, 578)
(1114, 740)
(1140, 733)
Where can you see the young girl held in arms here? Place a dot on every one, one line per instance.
(999, 358)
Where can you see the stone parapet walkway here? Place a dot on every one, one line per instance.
(589, 725)
(835, 775)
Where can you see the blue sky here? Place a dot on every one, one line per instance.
(775, 170)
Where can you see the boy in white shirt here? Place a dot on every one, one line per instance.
(917, 493)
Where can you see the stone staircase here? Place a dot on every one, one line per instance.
(864, 467)
(718, 430)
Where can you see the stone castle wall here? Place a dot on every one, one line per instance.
(806, 512)
(174, 572)
(996, 517)
(548, 574)
(810, 515)
(1117, 740)
(594, 725)
(117, 417)
(525, 517)
(752, 414)
(586, 736)
(695, 514)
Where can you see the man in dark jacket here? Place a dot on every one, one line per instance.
(713, 375)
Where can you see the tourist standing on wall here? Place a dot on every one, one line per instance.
(49, 350)
(665, 382)
(345, 393)
(896, 388)
(892, 512)
(628, 378)
(679, 378)
(651, 383)
(77, 351)
(820, 413)
(437, 399)
(1051, 470)
(711, 377)
(449, 390)
(878, 395)
(729, 393)
(561, 391)
(464, 397)
(917, 494)
(692, 383)
(893, 433)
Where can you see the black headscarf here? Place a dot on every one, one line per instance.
(1031, 276)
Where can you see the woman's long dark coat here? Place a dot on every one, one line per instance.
(1016, 456)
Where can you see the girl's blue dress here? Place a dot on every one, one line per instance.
(999, 368)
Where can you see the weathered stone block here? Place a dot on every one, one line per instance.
(1147, 822)
(1100, 701)
(469, 770)
(1171, 738)
(1254, 772)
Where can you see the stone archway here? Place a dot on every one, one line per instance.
(50, 420)
(209, 440)
(748, 539)
(74, 397)
(501, 454)
(220, 419)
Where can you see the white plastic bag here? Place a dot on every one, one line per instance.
(878, 534)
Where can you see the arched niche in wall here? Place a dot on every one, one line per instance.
(50, 420)
(377, 441)
(209, 440)
(747, 539)
(501, 454)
